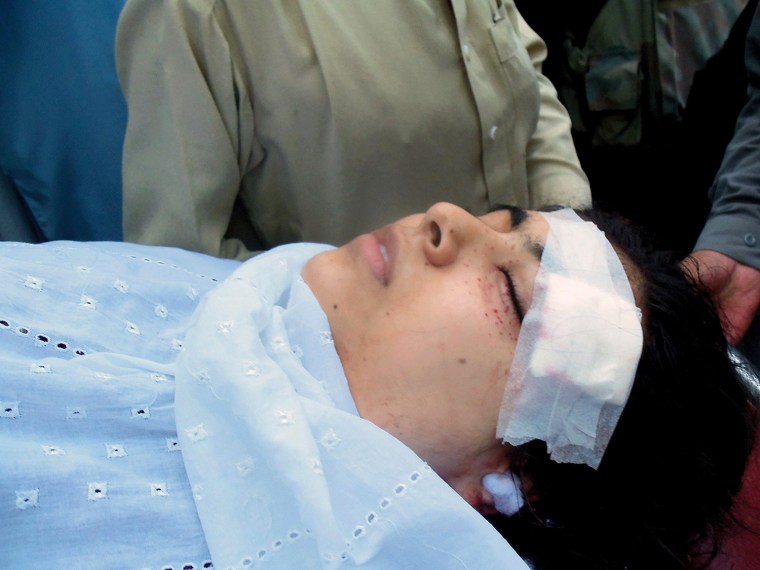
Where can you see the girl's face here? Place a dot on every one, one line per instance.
(425, 314)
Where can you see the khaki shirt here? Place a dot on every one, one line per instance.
(254, 123)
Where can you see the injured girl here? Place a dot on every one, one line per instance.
(387, 404)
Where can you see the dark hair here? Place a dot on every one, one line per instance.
(677, 455)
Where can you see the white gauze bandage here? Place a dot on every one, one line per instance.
(578, 348)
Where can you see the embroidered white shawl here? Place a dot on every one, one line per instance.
(285, 474)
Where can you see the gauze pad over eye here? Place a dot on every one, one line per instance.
(578, 348)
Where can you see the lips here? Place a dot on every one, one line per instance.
(384, 252)
(388, 246)
(377, 249)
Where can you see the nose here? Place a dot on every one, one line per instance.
(447, 229)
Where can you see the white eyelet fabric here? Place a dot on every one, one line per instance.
(153, 419)
(91, 475)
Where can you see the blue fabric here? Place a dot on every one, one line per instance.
(62, 114)
(16, 223)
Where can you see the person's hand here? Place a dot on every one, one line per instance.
(734, 287)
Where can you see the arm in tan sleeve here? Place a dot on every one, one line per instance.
(555, 176)
(190, 129)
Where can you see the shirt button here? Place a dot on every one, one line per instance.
(466, 51)
(494, 132)
(750, 240)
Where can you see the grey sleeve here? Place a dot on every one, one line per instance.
(733, 225)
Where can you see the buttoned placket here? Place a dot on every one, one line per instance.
(490, 93)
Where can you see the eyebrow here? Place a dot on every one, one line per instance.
(519, 215)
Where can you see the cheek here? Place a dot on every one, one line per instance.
(453, 346)
(468, 316)
(495, 318)
(453, 324)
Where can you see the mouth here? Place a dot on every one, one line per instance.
(387, 246)
(384, 253)
(375, 254)
(378, 249)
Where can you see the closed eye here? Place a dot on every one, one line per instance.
(513, 295)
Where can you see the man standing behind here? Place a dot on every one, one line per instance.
(728, 249)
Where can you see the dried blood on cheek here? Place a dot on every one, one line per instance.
(499, 314)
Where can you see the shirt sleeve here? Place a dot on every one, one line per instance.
(733, 225)
(190, 132)
(555, 176)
